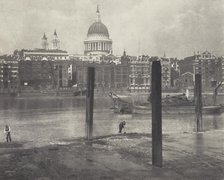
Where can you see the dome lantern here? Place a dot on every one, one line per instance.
(98, 14)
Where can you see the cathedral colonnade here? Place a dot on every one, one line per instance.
(98, 46)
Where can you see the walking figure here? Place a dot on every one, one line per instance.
(7, 131)
(121, 126)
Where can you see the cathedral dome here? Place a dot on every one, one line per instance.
(98, 28)
(98, 41)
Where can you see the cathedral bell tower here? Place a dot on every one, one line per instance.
(55, 41)
(44, 42)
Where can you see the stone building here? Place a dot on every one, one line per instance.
(210, 67)
(36, 75)
(8, 75)
(186, 64)
(166, 72)
(108, 75)
(41, 69)
(185, 81)
(63, 73)
(140, 73)
(175, 71)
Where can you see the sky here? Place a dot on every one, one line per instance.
(151, 27)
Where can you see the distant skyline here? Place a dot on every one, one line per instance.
(152, 27)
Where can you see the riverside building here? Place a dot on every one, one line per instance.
(44, 68)
(211, 69)
(9, 81)
(140, 73)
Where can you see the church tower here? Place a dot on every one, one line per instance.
(55, 41)
(44, 42)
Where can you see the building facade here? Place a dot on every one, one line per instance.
(166, 72)
(39, 68)
(187, 64)
(210, 67)
(44, 69)
(9, 80)
(140, 73)
(175, 71)
(108, 75)
(185, 81)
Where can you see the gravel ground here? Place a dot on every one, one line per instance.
(117, 157)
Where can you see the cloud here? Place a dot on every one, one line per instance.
(144, 26)
(193, 29)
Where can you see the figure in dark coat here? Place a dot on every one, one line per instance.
(7, 132)
(121, 126)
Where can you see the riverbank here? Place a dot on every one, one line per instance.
(97, 93)
(127, 156)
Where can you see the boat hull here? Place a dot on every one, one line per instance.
(170, 110)
(170, 105)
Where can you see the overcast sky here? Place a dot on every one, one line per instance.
(178, 27)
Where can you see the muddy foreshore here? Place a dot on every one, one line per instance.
(126, 156)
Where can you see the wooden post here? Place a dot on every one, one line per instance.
(156, 114)
(198, 102)
(90, 102)
(215, 92)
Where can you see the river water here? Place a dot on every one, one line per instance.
(38, 121)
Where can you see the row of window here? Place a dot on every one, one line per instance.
(9, 63)
(12, 67)
(43, 58)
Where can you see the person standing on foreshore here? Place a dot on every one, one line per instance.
(121, 126)
(7, 132)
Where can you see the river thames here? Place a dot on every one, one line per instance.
(39, 121)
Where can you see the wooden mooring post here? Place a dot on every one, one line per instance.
(156, 94)
(90, 102)
(198, 103)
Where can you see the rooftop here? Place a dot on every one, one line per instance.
(44, 50)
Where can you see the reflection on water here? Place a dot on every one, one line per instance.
(199, 144)
(47, 119)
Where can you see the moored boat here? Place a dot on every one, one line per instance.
(178, 104)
